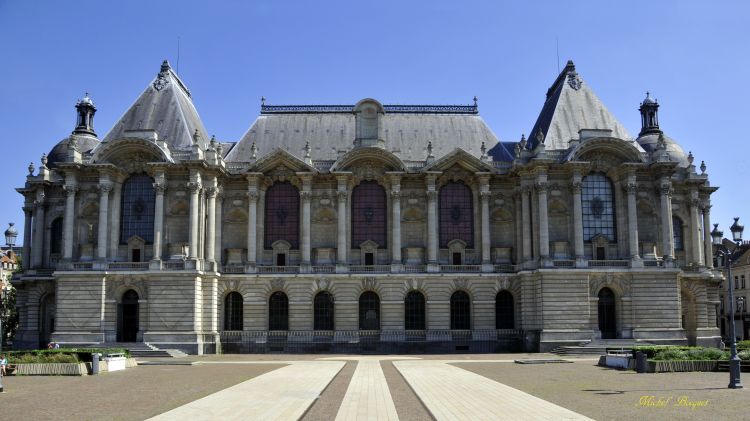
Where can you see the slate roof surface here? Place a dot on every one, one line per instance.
(330, 129)
(166, 107)
(569, 107)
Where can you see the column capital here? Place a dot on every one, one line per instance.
(210, 192)
(160, 187)
(305, 195)
(105, 187)
(485, 196)
(194, 186)
(431, 195)
(576, 186)
(341, 196)
(70, 189)
(253, 196)
(542, 186)
(396, 195)
(666, 189)
(630, 187)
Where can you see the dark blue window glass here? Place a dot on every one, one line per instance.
(137, 208)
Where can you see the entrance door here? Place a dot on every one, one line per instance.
(127, 329)
(607, 321)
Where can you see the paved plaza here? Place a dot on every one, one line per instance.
(315, 387)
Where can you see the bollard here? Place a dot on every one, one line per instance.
(95, 363)
(1, 383)
(640, 362)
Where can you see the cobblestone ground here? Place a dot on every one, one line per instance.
(607, 394)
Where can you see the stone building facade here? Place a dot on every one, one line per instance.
(384, 224)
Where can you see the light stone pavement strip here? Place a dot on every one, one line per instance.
(368, 396)
(451, 393)
(283, 394)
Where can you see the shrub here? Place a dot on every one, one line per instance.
(32, 358)
(743, 345)
(651, 350)
(62, 354)
(744, 354)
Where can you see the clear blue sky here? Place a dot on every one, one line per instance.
(693, 56)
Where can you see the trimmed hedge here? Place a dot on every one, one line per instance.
(743, 345)
(60, 355)
(687, 353)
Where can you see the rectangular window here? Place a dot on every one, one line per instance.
(736, 282)
(743, 281)
(456, 258)
(598, 206)
(136, 255)
(281, 259)
(601, 253)
(369, 259)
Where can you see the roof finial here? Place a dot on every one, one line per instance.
(253, 151)
(195, 137)
(475, 100)
(307, 149)
(44, 160)
(523, 141)
(691, 158)
(213, 142)
(262, 101)
(31, 168)
(540, 136)
(483, 148)
(703, 167)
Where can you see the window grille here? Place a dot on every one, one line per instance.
(598, 205)
(323, 311)
(414, 311)
(278, 311)
(460, 311)
(137, 208)
(504, 315)
(369, 311)
(233, 311)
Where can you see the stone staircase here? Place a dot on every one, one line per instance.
(597, 347)
(144, 350)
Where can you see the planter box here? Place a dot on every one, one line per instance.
(54, 369)
(680, 366)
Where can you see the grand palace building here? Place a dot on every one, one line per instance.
(332, 227)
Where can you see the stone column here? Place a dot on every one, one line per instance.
(27, 211)
(707, 244)
(211, 226)
(252, 223)
(695, 223)
(578, 249)
(541, 189)
(306, 198)
(396, 263)
(631, 187)
(71, 188)
(219, 212)
(105, 187)
(667, 233)
(159, 188)
(194, 185)
(38, 240)
(114, 221)
(342, 252)
(526, 222)
(433, 265)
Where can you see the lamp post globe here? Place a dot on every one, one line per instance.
(10, 235)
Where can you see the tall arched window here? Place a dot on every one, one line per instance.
(677, 233)
(282, 215)
(369, 214)
(598, 203)
(55, 236)
(460, 311)
(504, 316)
(323, 311)
(233, 311)
(278, 311)
(456, 205)
(369, 311)
(414, 311)
(137, 208)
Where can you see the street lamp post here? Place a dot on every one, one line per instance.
(728, 257)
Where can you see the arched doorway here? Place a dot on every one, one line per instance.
(607, 314)
(127, 320)
(460, 311)
(46, 320)
(369, 311)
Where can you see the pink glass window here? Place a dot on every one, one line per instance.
(282, 215)
(369, 214)
(456, 214)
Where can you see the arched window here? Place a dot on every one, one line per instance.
(55, 236)
(369, 311)
(504, 316)
(598, 203)
(282, 215)
(278, 311)
(137, 208)
(323, 311)
(460, 311)
(456, 214)
(414, 311)
(677, 233)
(233, 311)
(369, 214)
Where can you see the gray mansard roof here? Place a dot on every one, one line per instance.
(166, 107)
(571, 105)
(331, 130)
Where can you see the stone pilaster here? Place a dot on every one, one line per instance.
(631, 187)
(252, 222)
(342, 249)
(114, 222)
(194, 186)
(105, 187)
(695, 224)
(578, 248)
(396, 262)
(484, 198)
(71, 188)
(211, 225)
(542, 188)
(707, 244)
(306, 198)
(433, 265)
(526, 223)
(160, 186)
(28, 213)
(38, 240)
(667, 229)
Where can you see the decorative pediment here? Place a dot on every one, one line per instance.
(278, 159)
(606, 153)
(370, 157)
(130, 154)
(460, 158)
